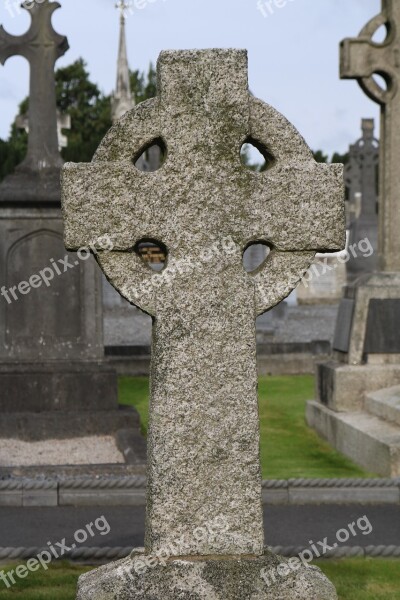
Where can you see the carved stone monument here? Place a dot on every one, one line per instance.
(324, 281)
(53, 378)
(205, 207)
(361, 179)
(366, 355)
(42, 47)
(63, 122)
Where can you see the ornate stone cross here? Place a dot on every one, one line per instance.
(204, 207)
(361, 176)
(361, 59)
(361, 171)
(41, 46)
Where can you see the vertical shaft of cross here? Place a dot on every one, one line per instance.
(368, 169)
(389, 186)
(41, 46)
(203, 461)
(42, 142)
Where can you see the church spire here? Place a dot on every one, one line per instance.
(122, 98)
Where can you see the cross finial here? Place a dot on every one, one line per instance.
(41, 45)
(361, 59)
(122, 98)
(123, 6)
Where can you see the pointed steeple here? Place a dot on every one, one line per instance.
(122, 98)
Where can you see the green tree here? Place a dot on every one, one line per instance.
(89, 109)
(340, 158)
(320, 157)
(90, 112)
(144, 86)
(12, 151)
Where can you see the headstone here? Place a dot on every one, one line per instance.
(324, 281)
(205, 207)
(367, 352)
(54, 381)
(361, 179)
(63, 122)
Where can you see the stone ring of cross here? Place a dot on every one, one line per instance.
(203, 193)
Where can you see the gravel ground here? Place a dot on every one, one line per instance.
(78, 451)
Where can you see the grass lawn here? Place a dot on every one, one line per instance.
(288, 447)
(58, 582)
(364, 579)
(355, 579)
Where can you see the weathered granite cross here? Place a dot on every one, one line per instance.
(205, 207)
(41, 46)
(361, 58)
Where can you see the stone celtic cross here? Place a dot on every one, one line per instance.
(41, 46)
(360, 173)
(361, 59)
(205, 207)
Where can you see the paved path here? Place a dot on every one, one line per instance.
(284, 525)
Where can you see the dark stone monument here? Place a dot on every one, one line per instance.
(54, 381)
(361, 178)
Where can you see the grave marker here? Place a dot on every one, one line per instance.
(205, 207)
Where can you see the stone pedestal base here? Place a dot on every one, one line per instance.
(57, 386)
(61, 400)
(358, 413)
(268, 577)
(371, 442)
(342, 387)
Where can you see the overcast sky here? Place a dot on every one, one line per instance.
(293, 53)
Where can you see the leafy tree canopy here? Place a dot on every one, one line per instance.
(321, 157)
(90, 112)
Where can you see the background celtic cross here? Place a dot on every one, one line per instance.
(41, 46)
(361, 59)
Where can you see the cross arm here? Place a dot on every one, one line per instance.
(103, 201)
(299, 207)
(297, 204)
(11, 45)
(359, 57)
(105, 209)
(302, 213)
